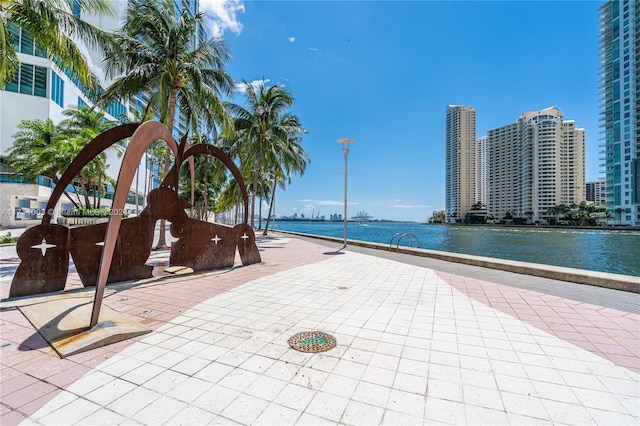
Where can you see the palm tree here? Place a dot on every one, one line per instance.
(81, 127)
(259, 130)
(288, 158)
(53, 26)
(25, 157)
(158, 52)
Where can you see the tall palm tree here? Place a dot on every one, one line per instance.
(159, 52)
(53, 26)
(289, 157)
(258, 128)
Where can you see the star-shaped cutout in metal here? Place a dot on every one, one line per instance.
(245, 237)
(100, 243)
(216, 239)
(43, 246)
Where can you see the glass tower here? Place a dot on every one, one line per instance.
(620, 108)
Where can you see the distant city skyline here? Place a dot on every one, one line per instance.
(383, 73)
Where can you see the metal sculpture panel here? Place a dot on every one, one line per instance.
(118, 250)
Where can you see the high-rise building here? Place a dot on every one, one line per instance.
(460, 146)
(595, 191)
(620, 107)
(482, 174)
(535, 164)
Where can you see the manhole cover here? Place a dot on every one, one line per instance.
(312, 341)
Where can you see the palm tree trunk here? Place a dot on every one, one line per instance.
(162, 238)
(253, 194)
(85, 192)
(271, 202)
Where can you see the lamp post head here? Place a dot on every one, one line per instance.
(345, 144)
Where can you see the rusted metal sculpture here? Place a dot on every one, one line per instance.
(118, 250)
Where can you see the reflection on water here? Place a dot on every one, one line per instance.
(598, 250)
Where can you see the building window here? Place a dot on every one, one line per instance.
(57, 88)
(29, 80)
(75, 8)
(117, 110)
(23, 42)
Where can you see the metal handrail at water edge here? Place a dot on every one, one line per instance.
(400, 236)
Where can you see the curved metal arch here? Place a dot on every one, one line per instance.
(144, 135)
(92, 150)
(216, 152)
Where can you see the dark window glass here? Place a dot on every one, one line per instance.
(40, 82)
(26, 79)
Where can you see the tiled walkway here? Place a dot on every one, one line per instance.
(414, 347)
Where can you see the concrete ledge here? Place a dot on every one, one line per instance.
(622, 282)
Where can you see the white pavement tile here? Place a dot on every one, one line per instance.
(103, 417)
(295, 397)
(371, 394)
(561, 412)
(189, 390)
(159, 411)
(327, 406)
(245, 409)
(406, 402)
(524, 405)
(216, 399)
(134, 401)
(358, 413)
(276, 414)
(339, 386)
(411, 383)
(111, 391)
(444, 389)
(485, 416)
(89, 383)
(165, 381)
(71, 413)
(449, 412)
(194, 416)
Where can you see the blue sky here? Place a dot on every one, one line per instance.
(383, 72)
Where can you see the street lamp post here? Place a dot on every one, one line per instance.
(345, 149)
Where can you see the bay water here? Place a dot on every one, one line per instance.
(615, 251)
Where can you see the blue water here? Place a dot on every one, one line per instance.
(597, 250)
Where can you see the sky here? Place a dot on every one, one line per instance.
(383, 73)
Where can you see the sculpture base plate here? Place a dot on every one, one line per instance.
(63, 321)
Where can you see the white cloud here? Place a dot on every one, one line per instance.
(222, 15)
(410, 206)
(292, 39)
(241, 87)
(323, 202)
(313, 49)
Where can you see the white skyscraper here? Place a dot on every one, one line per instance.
(461, 168)
(535, 164)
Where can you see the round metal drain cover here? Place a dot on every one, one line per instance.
(312, 341)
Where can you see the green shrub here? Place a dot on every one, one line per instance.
(7, 240)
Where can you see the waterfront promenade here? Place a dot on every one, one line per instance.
(417, 343)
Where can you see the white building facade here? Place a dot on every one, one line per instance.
(535, 164)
